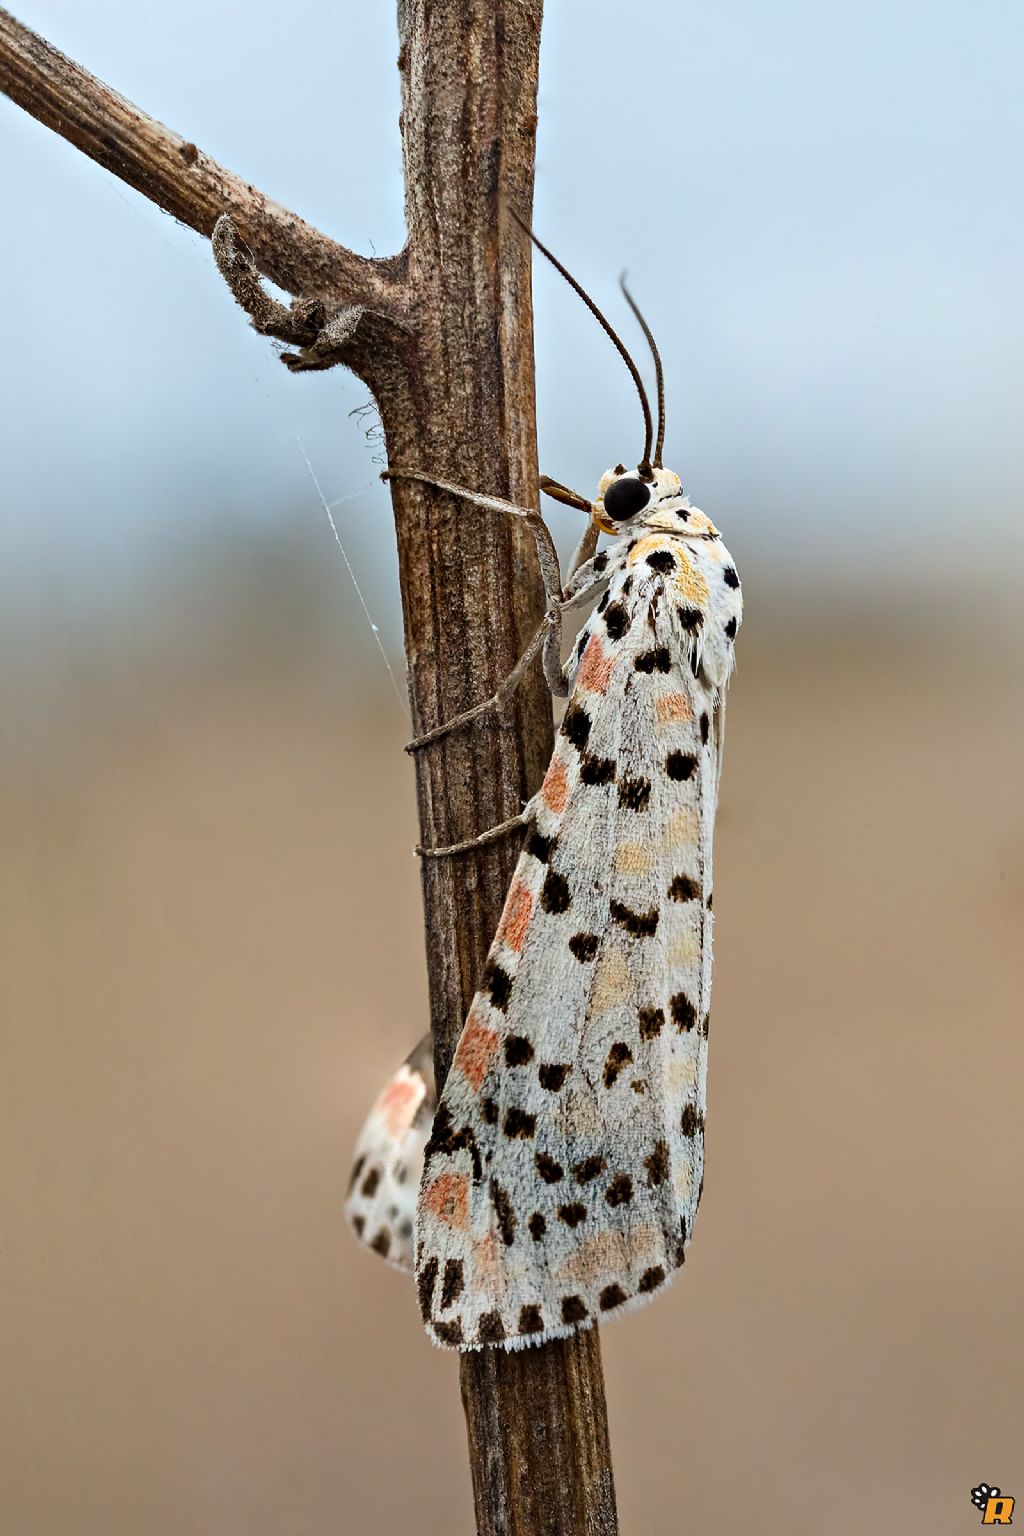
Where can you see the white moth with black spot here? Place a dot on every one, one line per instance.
(565, 1163)
(388, 1162)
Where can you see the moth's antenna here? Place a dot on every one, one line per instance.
(660, 441)
(645, 463)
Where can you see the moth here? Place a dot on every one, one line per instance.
(565, 1161)
(388, 1164)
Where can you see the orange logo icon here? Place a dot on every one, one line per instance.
(996, 1507)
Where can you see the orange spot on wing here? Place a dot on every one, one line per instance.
(488, 1272)
(673, 706)
(448, 1199)
(515, 919)
(555, 789)
(400, 1101)
(689, 582)
(595, 669)
(477, 1045)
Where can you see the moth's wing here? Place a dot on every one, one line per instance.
(550, 1195)
(381, 1202)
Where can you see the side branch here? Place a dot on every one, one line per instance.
(299, 323)
(180, 178)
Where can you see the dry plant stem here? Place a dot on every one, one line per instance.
(174, 173)
(442, 335)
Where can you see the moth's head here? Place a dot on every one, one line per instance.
(628, 496)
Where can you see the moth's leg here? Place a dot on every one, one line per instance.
(594, 572)
(551, 660)
(550, 622)
(588, 543)
(582, 578)
(501, 830)
(585, 549)
(549, 635)
(547, 554)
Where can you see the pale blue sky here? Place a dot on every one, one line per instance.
(819, 207)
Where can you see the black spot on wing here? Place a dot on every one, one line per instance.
(680, 765)
(550, 1171)
(651, 1279)
(530, 1319)
(662, 561)
(518, 1051)
(705, 728)
(652, 1022)
(731, 628)
(445, 1139)
(575, 726)
(691, 619)
(451, 1288)
(553, 1074)
(730, 577)
(691, 1122)
(426, 1278)
(684, 1014)
(448, 1332)
(572, 1214)
(519, 1125)
(611, 1296)
(584, 946)
(657, 1164)
(382, 1243)
(498, 984)
(588, 1169)
(538, 846)
(597, 770)
(643, 924)
(505, 1213)
(537, 1225)
(619, 1056)
(620, 1190)
(684, 888)
(656, 660)
(490, 1329)
(616, 620)
(574, 1309)
(634, 794)
(554, 894)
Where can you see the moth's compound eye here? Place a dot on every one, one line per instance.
(625, 498)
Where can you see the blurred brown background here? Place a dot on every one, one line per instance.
(214, 957)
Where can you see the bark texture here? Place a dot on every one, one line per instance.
(442, 334)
